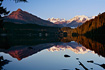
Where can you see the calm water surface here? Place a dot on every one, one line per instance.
(48, 54)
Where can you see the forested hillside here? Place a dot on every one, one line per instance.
(93, 26)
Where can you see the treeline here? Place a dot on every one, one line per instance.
(93, 26)
(12, 28)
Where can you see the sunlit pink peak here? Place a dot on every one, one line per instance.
(19, 9)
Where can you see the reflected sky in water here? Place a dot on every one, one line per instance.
(52, 57)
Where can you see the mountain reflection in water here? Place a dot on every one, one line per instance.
(73, 46)
(21, 47)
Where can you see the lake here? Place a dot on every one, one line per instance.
(28, 52)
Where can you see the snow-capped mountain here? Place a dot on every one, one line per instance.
(74, 22)
(54, 20)
(79, 18)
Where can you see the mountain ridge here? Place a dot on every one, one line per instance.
(73, 22)
(22, 17)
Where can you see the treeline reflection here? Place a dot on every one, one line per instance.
(93, 45)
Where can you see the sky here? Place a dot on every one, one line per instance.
(58, 8)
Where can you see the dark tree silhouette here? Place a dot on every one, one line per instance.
(3, 62)
(3, 11)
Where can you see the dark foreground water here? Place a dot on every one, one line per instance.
(51, 53)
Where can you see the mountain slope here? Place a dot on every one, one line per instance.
(74, 24)
(23, 17)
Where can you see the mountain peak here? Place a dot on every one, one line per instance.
(19, 9)
(21, 16)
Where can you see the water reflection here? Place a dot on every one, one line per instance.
(73, 46)
(51, 52)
